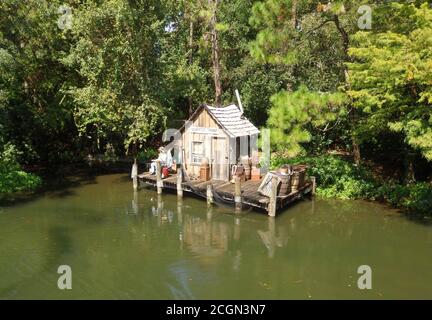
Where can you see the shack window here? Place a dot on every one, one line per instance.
(197, 152)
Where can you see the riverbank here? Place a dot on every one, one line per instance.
(337, 178)
(34, 180)
(341, 179)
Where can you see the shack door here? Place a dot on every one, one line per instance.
(219, 159)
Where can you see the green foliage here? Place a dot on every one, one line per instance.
(291, 112)
(391, 79)
(118, 97)
(336, 178)
(12, 178)
(32, 109)
(341, 179)
(415, 197)
(147, 154)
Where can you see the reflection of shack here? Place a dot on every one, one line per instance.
(204, 237)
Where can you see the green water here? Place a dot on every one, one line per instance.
(122, 245)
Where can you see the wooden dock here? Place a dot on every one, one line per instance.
(225, 191)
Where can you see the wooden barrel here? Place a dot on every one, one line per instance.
(247, 171)
(295, 181)
(285, 186)
(298, 179)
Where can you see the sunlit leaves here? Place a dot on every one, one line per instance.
(391, 79)
(292, 112)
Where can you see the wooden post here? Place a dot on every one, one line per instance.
(135, 175)
(273, 197)
(237, 193)
(313, 179)
(179, 182)
(159, 183)
(209, 193)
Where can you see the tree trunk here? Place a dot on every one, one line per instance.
(294, 14)
(353, 117)
(191, 30)
(215, 53)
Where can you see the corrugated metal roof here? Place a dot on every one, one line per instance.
(233, 121)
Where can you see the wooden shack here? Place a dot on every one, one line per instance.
(219, 135)
(220, 138)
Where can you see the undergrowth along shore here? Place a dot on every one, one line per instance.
(342, 179)
(336, 178)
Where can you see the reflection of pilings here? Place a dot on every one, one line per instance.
(159, 207)
(135, 207)
(269, 237)
(313, 205)
(272, 236)
(209, 226)
(180, 211)
(237, 261)
(180, 219)
(236, 229)
(209, 213)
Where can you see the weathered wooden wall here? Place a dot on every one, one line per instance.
(202, 121)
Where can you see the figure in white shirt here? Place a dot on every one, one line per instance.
(165, 159)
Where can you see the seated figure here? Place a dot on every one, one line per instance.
(165, 159)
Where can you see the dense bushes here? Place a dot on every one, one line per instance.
(12, 178)
(415, 197)
(338, 178)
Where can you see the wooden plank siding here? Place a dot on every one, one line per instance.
(201, 120)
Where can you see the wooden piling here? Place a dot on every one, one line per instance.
(159, 183)
(273, 197)
(179, 182)
(210, 194)
(135, 175)
(313, 180)
(237, 193)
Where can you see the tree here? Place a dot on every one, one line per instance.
(292, 113)
(312, 41)
(116, 52)
(391, 82)
(32, 106)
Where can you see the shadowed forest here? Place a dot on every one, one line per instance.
(345, 87)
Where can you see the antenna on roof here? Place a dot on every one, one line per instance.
(239, 101)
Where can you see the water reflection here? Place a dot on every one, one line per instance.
(122, 244)
(207, 236)
(272, 239)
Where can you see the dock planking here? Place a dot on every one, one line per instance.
(226, 190)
